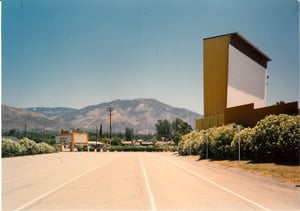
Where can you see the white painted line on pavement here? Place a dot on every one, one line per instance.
(22, 207)
(151, 197)
(217, 185)
(29, 175)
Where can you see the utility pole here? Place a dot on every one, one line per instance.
(25, 130)
(110, 109)
(96, 136)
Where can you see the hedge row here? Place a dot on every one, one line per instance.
(24, 147)
(131, 148)
(136, 148)
(273, 139)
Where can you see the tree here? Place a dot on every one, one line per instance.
(281, 102)
(128, 134)
(12, 132)
(116, 141)
(163, 129)
(180, 128)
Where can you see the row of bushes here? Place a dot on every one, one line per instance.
(84, 148)
(136, 148)
(91, 149)
(24, 146)
(130, 148)
(273, 139)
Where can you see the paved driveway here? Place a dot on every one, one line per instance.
(135, 181)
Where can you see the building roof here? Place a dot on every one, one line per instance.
(242, 44)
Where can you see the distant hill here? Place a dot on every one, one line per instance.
(15, 118)
(140, 114)
(51, 112)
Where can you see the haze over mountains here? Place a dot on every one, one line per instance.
(140, 114)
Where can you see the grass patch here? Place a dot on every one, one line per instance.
(282, 172)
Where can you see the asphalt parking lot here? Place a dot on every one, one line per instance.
(134, 181)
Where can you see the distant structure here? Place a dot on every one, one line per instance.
(68, 139)
(235, 83)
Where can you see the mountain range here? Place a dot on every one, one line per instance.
(139, 114)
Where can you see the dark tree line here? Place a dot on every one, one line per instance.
(165, 130)
(38, 136)
(172, 131)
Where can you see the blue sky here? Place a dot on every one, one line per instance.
(79, 53)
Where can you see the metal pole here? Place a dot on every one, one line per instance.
(206, 145)
(239, 139)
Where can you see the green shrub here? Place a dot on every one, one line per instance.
(45, 148)
(274, 138)
(221, 138)
(277, 138)
(169, 148)
(30, 146)
(184, 143)
(24, 147)
(11, 148)
(205, 145)
(79, 148)
(136, 148)
(190, 143)
(246, 137)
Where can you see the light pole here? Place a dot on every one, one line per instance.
(206, 141)
(239, 141)
(190, 147)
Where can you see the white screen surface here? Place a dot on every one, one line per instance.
(246, 80)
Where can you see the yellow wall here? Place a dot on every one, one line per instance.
(215, 66)
(248, 116)
(211, 121)
(215, 77)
